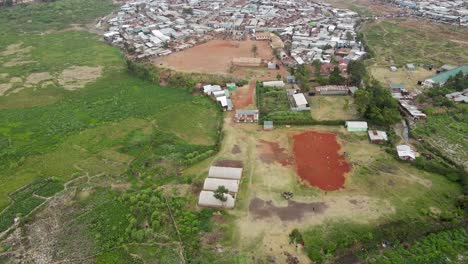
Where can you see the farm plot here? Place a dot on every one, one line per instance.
(214, 56)
(412, 41)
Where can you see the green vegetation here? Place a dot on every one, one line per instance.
(27, 199)
(376, 104)
(401, 42)
(443, 247)
(55, 15)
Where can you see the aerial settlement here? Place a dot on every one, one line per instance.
(299, 31)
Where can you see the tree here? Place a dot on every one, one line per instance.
(220, 193)
(356, 72)
(317, 67)
(254, 50)
(278, 76)
(335, 77)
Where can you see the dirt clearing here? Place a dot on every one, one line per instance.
(77, 77)
(35, 78)
(293, 211)
(401, 76)
(270, 152)
(243, 96)
(215, 56)
(5, 87)
(16, 49)
(333, 108)
(318, 161)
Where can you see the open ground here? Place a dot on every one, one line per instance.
(333, 108)
(377, 188)
(215, 56)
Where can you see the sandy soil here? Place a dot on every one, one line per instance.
(35, 78)
(5, 87)
(77, 77)
(15, 49)
(213, 57)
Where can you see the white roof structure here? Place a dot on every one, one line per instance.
(211, 184)
(405, 151)
(300, 99)
(376, 135)
(274, 84)
(218, 93)
(207, 199)
(208, 89)
(225, 173)
(356, 124)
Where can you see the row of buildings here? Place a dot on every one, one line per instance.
(444, 11)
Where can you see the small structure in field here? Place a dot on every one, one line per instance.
(410, 67)
(271, 66)
(405, 152)
(377, 137)
(267, 125)
(231, 86)
(393, 68)
(441, 78)
(356, 126)
(299, 102)
(207, 199)
(247, 62)
(229, 173)
(212, 184)
(274, 84)
(209, 89)
(246, 116)
(332, 90)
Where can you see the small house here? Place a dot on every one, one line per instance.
(271, 66)
(274, 84)
(231, 86)
(332, 90)
(356, 126)
(300, 102)
(393, 68)
(291, 79)
(377, 137)
(405, 152)
(246, 116)
(410, 67)
(267, 125)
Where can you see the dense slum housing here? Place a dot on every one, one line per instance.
(159, 27)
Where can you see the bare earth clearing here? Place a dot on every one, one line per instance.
(213, 57)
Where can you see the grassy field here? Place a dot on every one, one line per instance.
(333, 108)
(402, 76)
(106, 129)
(410, 41)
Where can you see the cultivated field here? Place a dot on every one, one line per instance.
(215, 56)
(333, 108)
(414, 41)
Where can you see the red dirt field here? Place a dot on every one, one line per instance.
(214, 56)
(243, 97)
(318, 161)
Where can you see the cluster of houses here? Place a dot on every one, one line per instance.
(229, 177)
(220, 94)
(316, 31)
(404, 152)
(444, 11)
(458, 97)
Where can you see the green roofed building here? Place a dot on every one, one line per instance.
(442, 78)
(312, 24)
(398, 86)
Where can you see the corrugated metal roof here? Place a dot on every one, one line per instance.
(225, 173)
(207, 199)
(211, 184)
(444, 76)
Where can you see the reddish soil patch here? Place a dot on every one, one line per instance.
(214, 56)
(229, 163)
(271, 152)
(318, 161)
(294, 211)
(236, 150)
(243, 96)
